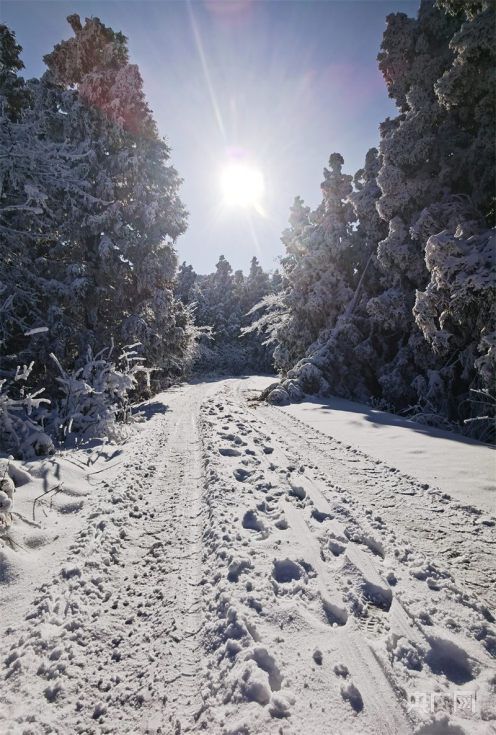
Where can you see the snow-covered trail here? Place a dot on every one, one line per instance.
(111, 641)
(244, 574)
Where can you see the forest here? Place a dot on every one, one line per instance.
(385, 293)
(247, 482)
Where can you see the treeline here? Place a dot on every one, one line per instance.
(89, 214)
(221, 303)
(388, 291)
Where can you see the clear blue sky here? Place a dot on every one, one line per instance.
(286, 82)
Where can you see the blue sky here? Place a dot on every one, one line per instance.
(285, 83)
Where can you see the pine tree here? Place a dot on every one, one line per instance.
(437, 177)
(43, 182)
(321, 271)
(127, 242)
(12, 86)
(89, 213)
(419, 332)
(185, 280)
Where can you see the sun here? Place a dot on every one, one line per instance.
(242, 185)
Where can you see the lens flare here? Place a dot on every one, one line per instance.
(242, 185)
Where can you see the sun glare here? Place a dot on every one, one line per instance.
(242, 185)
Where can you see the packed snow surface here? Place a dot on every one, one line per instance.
(241, 569)
(456, 464)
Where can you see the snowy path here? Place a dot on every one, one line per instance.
(112, 640)
(242, 573)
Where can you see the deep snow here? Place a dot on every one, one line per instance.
(241, 568)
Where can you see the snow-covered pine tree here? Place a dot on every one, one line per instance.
(320, 269)
(324, 272)
(345, 351)
(290, 342)
(126, 234)
(256, 286)
(89, 212)
(431, 196)
(185, 280)
(220, 302)
(457, 310)
(422, 344)
(43, 180)
(14, 94)
(414, 54)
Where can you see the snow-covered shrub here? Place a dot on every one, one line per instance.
(22, 415)
(97, 396)
(7, 490)
(483, 424)
(278, 396)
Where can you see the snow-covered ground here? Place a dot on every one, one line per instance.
(240, 568)
(464, 468)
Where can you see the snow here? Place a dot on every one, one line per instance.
(231, 569)
(36, 330)
(225, 565)
(49, 496)
(461, 467)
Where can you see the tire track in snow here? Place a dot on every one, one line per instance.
(433, 517)
(278, 486)
(320, 608)
(111, 643)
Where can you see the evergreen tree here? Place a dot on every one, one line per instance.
(13, 90)
(257, 285)
(321, 271)
(429, 186)
(319, 275)
(126, 242)
(89, 213)
(185, 280)
(419, 331)
(43, 183)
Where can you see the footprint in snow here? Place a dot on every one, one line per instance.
(229, 452)
(317, 656)
(448, 659)
(337, 545)
(241, 474)
(335, 613)
(253, 523)
(351, 694)
(296, 491)
(320, 516)
(341, 670)
(286, 570)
